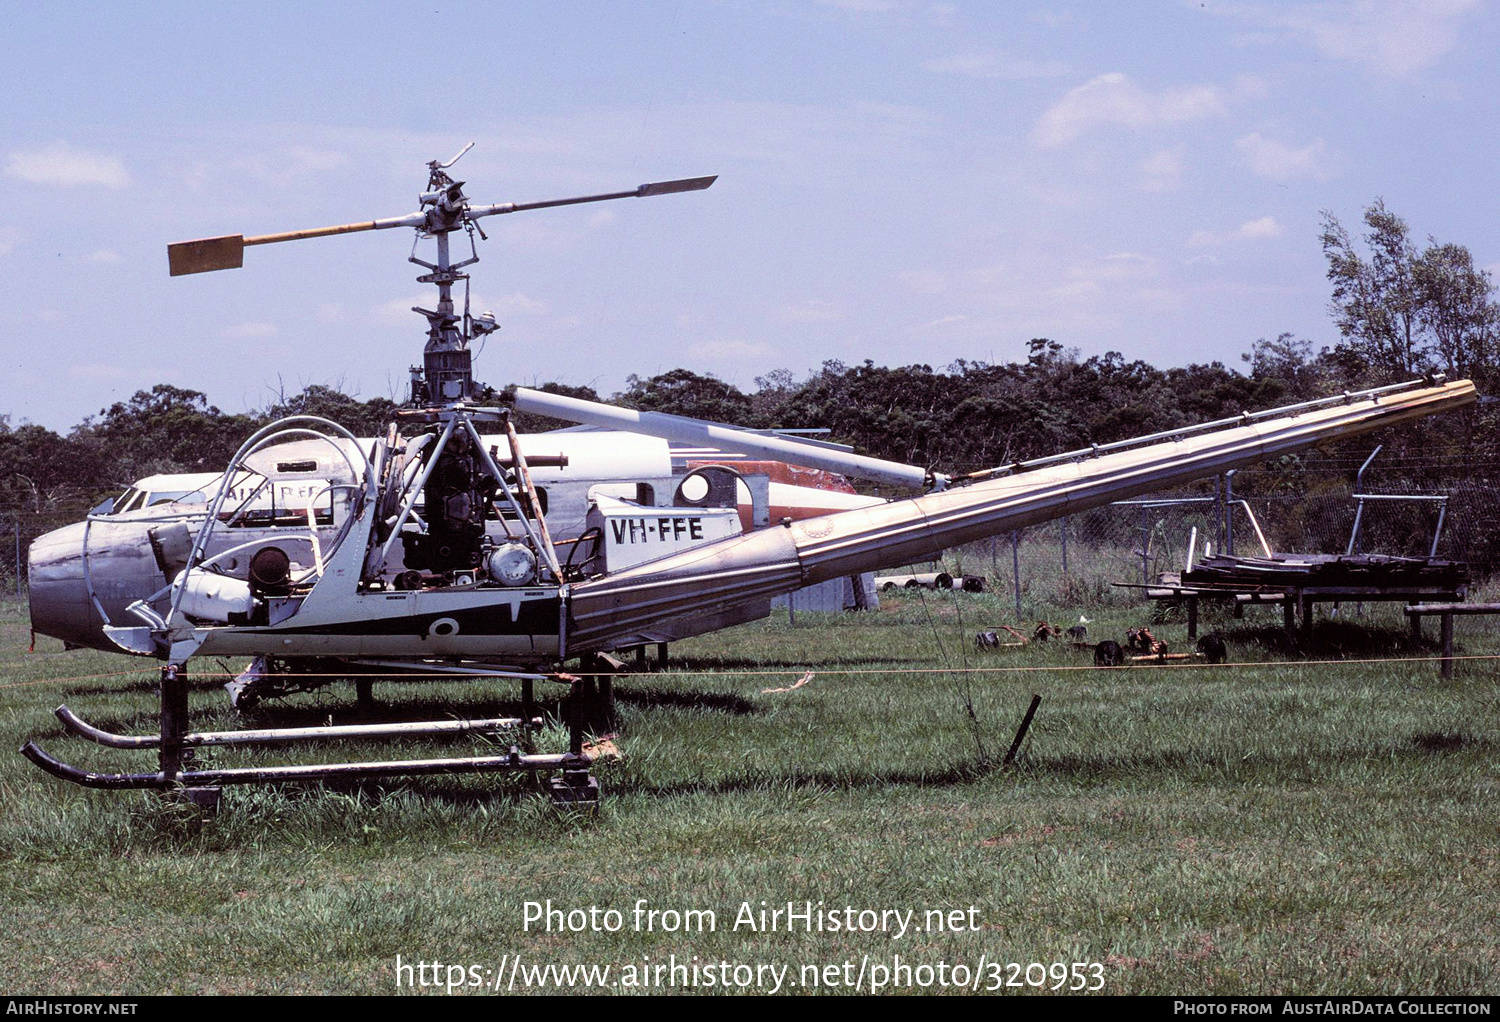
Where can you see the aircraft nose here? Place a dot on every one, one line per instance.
(122, 569)
(60, 606)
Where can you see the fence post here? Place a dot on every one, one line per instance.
(1219, 518)
(1145, 549)
(1063, 524)
(1229, 512)
(1015, 568)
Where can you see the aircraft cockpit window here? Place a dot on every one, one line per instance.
(127, 501)
(174, 496)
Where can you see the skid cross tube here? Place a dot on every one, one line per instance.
(176, 747)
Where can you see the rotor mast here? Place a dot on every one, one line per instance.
(447, 371)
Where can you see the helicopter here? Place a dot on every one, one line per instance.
(429, 550)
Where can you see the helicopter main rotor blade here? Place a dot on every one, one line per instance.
(687, 184)
(228, 252)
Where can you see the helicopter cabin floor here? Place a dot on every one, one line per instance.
(1286, 824)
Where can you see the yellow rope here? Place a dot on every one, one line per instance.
(848, 672)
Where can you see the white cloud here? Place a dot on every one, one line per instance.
(398, 311)
(513, 304)
(924, 282)
(61, 164)
(289, 166)
(1114, 100)
(729, 349)
(812, 311)
(993, 65)
(943, 321)
(1262, 227)
(860, 6)
(1116, 266)
(96, 371)
(1258, 229)
(1279, 161)
(1395, 38)
(1055, 19)
(105, 257)
(1087, 294)
(8, 238)
(244, 330)
(1162, 171)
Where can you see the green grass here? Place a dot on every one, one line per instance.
(1283, 827)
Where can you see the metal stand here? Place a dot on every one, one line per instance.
(174, 753)
(576, 786)
(596, 696)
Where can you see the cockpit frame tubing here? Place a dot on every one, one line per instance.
(265, 435)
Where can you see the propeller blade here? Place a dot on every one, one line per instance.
(205, 254)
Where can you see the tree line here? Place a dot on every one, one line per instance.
(1401, 311)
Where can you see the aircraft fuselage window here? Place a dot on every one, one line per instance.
(278, 505)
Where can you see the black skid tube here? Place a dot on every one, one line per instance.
(514, 760)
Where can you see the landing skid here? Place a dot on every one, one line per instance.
(176, 747)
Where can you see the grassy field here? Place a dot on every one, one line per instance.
(1282, 827)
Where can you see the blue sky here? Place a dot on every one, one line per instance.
(900, 180)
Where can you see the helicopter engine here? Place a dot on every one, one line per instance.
(458, 497)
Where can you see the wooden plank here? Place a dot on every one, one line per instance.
(1453, 608)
